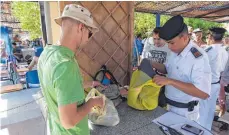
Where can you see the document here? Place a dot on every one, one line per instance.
(176, 121)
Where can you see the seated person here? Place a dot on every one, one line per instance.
(17, 52)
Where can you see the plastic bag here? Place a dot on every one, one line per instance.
(143, 92)
(107, 116)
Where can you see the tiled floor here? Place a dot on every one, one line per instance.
(20, 113)
(34, 126)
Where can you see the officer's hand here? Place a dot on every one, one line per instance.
(161, 80)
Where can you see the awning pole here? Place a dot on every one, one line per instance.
(158, 18)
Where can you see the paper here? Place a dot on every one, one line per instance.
(176, 121)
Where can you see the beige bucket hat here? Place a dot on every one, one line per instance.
(78, 13)
(197, 30)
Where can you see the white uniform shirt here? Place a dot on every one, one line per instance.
(154, 53)
(217, 61)
(225, 57)
(225, 74)
(186, 68)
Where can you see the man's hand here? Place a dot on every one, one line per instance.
(135, 68)
(161, 80)
(222, 110)
(97, 83)
(70, 114)
(97, 101)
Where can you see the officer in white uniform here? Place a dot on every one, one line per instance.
(188, 69)
(217, 57)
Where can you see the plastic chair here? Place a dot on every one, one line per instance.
(32, 79)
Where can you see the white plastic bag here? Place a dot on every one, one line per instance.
(107, 116)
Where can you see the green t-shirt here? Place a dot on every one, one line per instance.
(61, 84)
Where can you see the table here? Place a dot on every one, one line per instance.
(132, 122)
(22, 69)
(11, 88)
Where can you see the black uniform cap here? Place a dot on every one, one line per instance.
(172, 28)
(217, 30)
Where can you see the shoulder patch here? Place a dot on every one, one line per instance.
(208, 49)
(195, 52)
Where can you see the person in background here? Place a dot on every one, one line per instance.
(224, 82)
(3, 51)
(17, 52)
(156, 48)
(226, 43)
(217, 60)
(137, 50)
(34, 61)
(60, 78)
(38, 51)
(24, 44)
(16, 38)
(188, 71)
(208, 39)
(198, 35)
(190, 30)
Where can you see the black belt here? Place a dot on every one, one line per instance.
(216, 82)
(190, 105)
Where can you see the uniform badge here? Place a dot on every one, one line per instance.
(195, 52)
(208, 49)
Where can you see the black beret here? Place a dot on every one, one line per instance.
(172, 28)
(217, 30)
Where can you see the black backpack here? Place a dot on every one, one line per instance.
(105, 77)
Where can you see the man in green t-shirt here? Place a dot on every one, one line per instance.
(60, 77)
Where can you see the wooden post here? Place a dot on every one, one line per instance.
(131, 37)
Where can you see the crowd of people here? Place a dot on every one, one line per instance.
(195, 69)
(22, 51)
(142, 47)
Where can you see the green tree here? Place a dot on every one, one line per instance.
(202, 24)
(28, 13)
(145, 22)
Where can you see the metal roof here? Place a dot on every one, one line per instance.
(217, 11)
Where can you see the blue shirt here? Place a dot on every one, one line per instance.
(138, 48)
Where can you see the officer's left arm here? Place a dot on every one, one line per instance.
(200, 77)
(187, 88)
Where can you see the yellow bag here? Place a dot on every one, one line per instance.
(143, 92)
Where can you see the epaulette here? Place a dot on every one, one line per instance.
(195, 52)
(208, 49)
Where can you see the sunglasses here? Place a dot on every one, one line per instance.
(90, 33)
